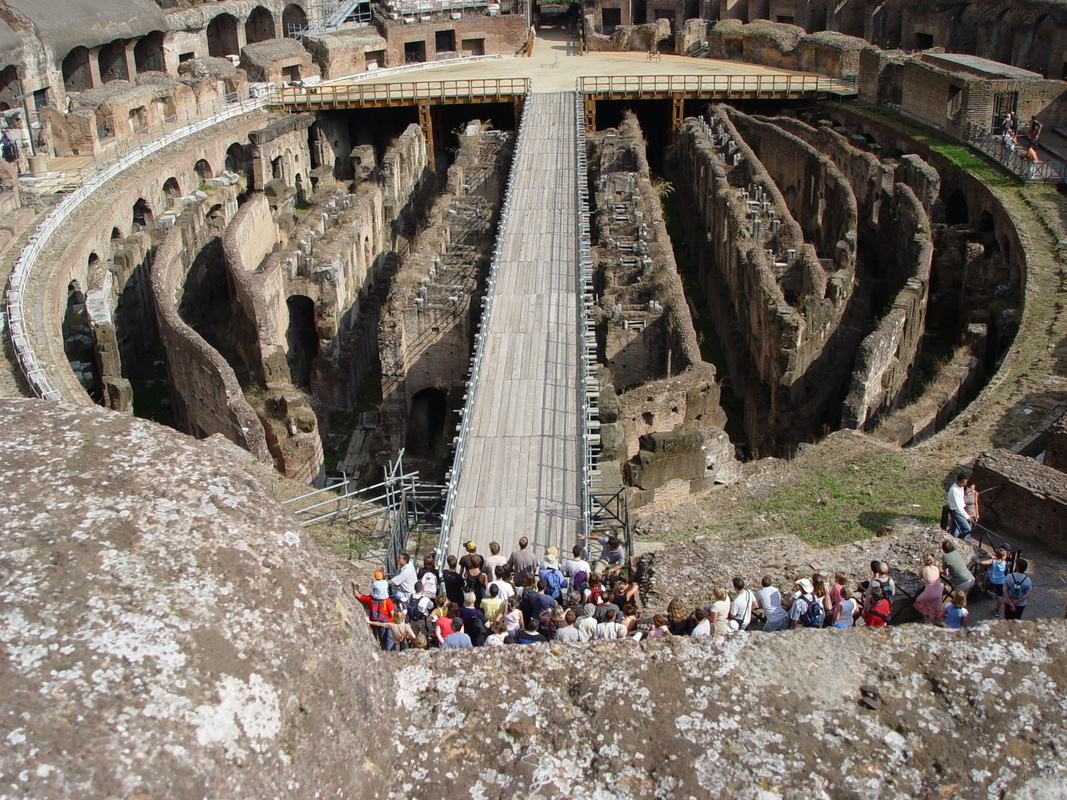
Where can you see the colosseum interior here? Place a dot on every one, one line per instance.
(744, 282)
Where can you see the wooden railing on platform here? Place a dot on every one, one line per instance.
(351, 95)
(606, 87)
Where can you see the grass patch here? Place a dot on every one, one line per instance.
(832, 503)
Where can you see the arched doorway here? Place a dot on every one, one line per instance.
(77, 75)
(113, 62)
(171, 190)
(78, 339)
(302, 339)
(426, 422)
(260, 25)
(956, 211)
(203, 170)
(148, 53)
(222, 36)
(294, 20)
(142, 213)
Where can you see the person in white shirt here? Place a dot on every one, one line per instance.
(504, 587)
(959, 522)
(703, 627)
(609, 628)
(572, 566)
(404, 580)
(740, 608)
(495, 559)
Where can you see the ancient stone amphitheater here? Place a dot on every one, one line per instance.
(677, 254)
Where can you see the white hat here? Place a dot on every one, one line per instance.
(550, 561)
(379, 590)
(805, 585)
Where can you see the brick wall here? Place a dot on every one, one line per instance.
(1033, 501)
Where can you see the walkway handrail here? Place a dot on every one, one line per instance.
(994, 146)
(717, 85)
(127, 155)
(399, 91)
(479, 346)
(588, 387)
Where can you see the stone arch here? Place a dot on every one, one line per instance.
(172, 190)
(148, 53)
(142, 214)
(260, 26)
(203, 170)
(222, 38)
(78, 339)
(9, 88)
(77, 74)
(426, 421)
(302, 339)
(293, 20)
(956, 211)
(115, 233)
(236, 159)
(112, 61)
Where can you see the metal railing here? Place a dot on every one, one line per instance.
(1015, 159)
(588, 384)
(477, 360)
(717, 85)
(470, 90)
(127, 152)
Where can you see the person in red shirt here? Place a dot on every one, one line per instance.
(379, 608)
(877, 613)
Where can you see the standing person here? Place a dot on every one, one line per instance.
(587, 623)
(471, 560)
(457, 639)
(530, 634)
(505, 588)
(379, 607)
(959, 524)
(769, 599)
(551, 575)
(577, 567)
(953, 569)
(929, 602)
(474, 622)
(997, 572)
(522, 562)
(970, 501)
(741, 607)
(493, 605)
(512, 616)
(1035, 130)
(454, 583)
(569, 633)
(1017, 590)
(430, 577)
(495, 560)
(403, 582)
(956, 611)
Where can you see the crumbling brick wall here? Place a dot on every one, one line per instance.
(1031, 500)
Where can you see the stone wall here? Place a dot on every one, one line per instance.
(426, 332)
(472, 34)
(626, 37)
(786, 47)
(204, 389)
(1031, 501)
(886, 357)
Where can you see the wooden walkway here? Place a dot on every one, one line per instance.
(520, 473)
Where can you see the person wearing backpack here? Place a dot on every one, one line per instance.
(807, 610)
(741, 607)
(553, 578)
(1017, 590)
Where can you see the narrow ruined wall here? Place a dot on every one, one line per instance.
(204, 389)
(886, 357)
(426, 329)
(1033, 499)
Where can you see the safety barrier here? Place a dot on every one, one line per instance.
(341, 95)
(588, 383)
(1015, 159)
(714, 86)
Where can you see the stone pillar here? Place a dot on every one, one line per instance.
(131, 60)
(94, 66)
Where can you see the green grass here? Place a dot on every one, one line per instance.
(834, 503)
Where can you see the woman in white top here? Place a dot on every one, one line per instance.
(770, 600)
(512, 618)
(845, 612)
(720, 611)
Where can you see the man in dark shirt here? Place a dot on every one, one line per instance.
(454, 583)
(540, 602)
(531, 635)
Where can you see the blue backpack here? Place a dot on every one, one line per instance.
(812, 616)
(555, 584)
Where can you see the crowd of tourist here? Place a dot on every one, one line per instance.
(479, 601)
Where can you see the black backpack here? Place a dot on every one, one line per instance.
(813, 615)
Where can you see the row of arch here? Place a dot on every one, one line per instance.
(223, 39)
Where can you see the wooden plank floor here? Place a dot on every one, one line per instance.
(520, 475)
